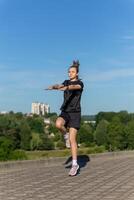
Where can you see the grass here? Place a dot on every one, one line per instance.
(33, 155)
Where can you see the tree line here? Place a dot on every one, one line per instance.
(112, 130)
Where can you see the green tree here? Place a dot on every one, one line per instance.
(85, 134)
(14, 135)
(4, 124)
(46, 143)
(101, 133)
(105, 115)
(25, 134)
(55, 131)
(60, 145)
(19, 115)
(115, 134)
(35, 141)
(36, 123)
(129, 129)
(6, 148)
(124, 117)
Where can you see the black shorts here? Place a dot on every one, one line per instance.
(72, 120)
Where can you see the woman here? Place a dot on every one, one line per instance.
(70, 111)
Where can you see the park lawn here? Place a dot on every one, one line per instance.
(33, 155)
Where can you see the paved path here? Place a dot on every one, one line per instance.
(102, 178)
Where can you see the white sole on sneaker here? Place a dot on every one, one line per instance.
(74, 170)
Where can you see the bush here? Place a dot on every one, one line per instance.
(45, 154)
(6, 147)
(46, 143)
(96, 149)
(60, 145)
(18, 155)
(87, 144)
(25, 135)
(35, 141)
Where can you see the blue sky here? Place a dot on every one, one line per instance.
(39, 40)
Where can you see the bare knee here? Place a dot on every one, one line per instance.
(58, 125)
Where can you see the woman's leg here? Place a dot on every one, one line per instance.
(73, 142)
(60, 122)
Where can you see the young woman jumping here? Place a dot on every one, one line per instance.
(70, 116)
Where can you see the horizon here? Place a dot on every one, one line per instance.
(15, 112)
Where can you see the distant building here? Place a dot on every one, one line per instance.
(40, 108)
(3, 112)
(47, 121)
(90, 122)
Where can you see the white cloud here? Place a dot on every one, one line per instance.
(128, 37)
(21, 80)
(110, 75)
(115, 62)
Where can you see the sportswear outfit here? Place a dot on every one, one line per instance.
(71, 113)
(71, 108)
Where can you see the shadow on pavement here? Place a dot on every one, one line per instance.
(82, 161)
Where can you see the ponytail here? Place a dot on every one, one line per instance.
(76, 65)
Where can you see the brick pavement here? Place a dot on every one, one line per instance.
(102, 178)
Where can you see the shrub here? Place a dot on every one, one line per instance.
(96, 149)
(60, 145)
(18, 155)
(46, 143)
(6, 147)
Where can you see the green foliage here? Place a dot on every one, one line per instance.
(25, 134)
(36, 124)
(118, 135)
(18, 155)
(6, 148)
(85, 134)
(46, 143)
(52, 129)
(112, 131)
(52, 116)
(124, 117)
(55, 131)
(35, 141)
(115, 134)
(129, 130)
(4, 124)
(96, 149)
(57, 137)
(19, 115)
(60, 145)
(104, 115)
(101, 132)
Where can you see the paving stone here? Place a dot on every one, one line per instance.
(102, 178)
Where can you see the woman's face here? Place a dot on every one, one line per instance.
(72, 73)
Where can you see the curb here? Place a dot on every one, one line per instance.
(61, 160)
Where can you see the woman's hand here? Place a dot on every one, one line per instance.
(54, 87)
(49, 88)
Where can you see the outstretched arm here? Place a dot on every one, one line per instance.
(70, 87)
(55, 87)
